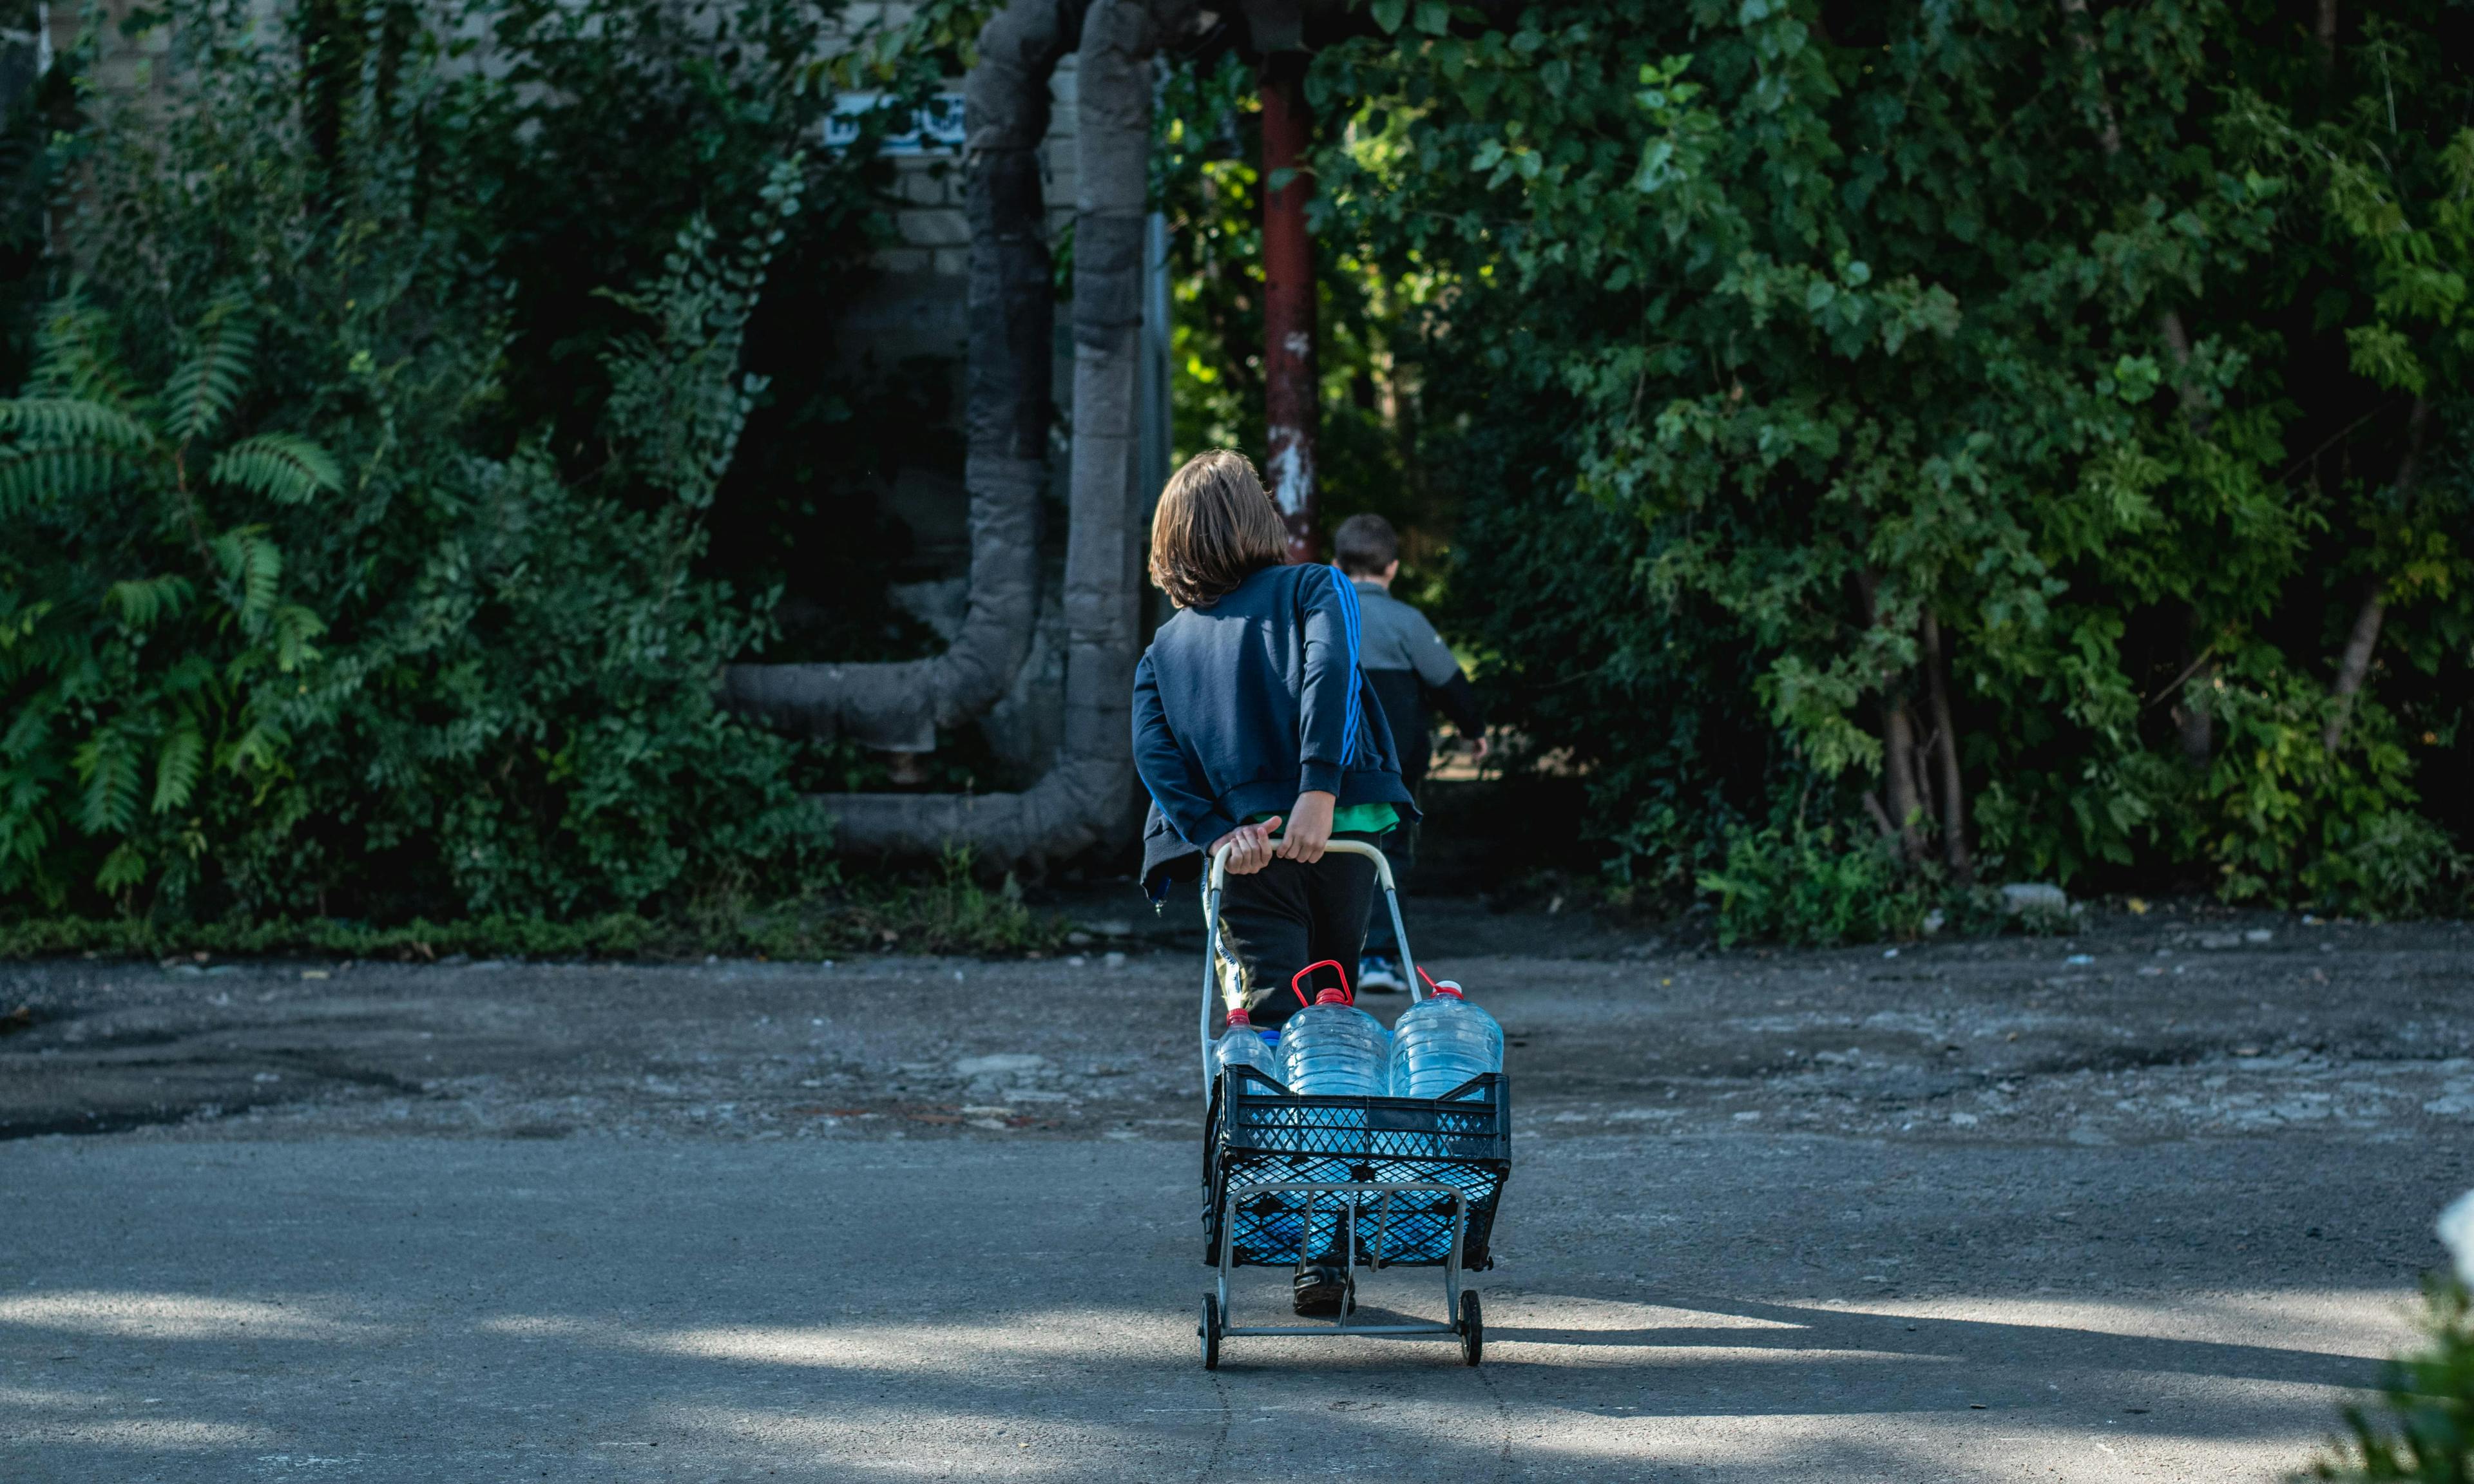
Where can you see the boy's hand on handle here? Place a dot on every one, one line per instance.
(1252, 847)
(1309, 827)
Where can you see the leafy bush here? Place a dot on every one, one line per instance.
(2423, 1430)
(1803, 885)
(1807, 374)
(301, 609)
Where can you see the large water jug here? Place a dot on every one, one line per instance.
(1333, 1049)
(1242, 1045)
(1442, 1042)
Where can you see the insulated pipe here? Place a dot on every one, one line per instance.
(1088, 797)
(1291, 390)
(898, 707)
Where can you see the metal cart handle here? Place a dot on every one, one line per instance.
(1216, 879)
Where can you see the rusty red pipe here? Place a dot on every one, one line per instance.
(1289, 376)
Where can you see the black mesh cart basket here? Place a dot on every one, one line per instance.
(1367, 1183)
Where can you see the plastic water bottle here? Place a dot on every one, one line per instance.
(1442, 1042)
(1242, 1045)
(1333, 1049)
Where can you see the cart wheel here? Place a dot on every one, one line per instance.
(1209, 1330)
(1472, 1328)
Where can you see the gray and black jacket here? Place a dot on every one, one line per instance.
(1408, 664)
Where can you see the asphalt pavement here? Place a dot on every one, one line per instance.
(2000, 1211)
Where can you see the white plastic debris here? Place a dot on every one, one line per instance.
(2034, 896)
(2457, 1235)
(1003, 1064)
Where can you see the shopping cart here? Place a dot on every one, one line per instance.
(1369, 1182)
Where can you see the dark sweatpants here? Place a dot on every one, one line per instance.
(1288, 914)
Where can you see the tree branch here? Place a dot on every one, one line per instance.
(2356, 667)
(1953, 791)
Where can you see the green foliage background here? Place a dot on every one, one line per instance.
(401, 440)
(1752, 345)
(355, 557)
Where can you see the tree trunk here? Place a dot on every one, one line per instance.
(1291, 388)
(1954, 790)
(898, 707)
(2083, 41)
(1898, 775)
(2327, 34)
(2197, 723)
(2360, 645)
(2195, 402)
(1088, 797)
(2356, 666)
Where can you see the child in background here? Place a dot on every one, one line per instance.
(1255, 728)
(1407, 662)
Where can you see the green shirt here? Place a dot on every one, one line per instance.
(1357, 819)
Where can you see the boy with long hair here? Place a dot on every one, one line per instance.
(1255, 728)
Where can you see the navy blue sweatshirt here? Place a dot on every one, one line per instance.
(1242, 705)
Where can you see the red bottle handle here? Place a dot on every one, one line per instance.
(1296, 981)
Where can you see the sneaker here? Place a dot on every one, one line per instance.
(1379, 976)
(1316, 1291)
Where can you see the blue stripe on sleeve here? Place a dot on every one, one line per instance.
(1348, 618)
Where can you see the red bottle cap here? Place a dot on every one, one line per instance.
(1239, 1016)
(1446, 986)
(1332, 997)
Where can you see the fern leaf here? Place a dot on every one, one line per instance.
(177, 767)
(31, 728)
(187, 676)
(74, 356)
(32, 477)
(676, 403)
(258, 749)
(279, 467)
(295, 628)
(109, 765)
(255, 566)
(141, 601)
(69, 419)
(203, 390)
(125, 867)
